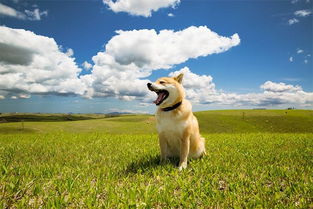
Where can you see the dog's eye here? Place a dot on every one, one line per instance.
(162, 82)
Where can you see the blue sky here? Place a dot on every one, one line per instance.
(271, 66)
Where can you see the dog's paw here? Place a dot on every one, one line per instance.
(204, 154)
(182, 166)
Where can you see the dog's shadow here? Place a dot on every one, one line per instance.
(146, 164)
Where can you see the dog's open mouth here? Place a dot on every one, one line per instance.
(162, 95)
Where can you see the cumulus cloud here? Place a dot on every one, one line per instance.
(290, 59)
(303, 13)
(35, 14)
(105, 82)
(140, 7)
(126, 58)
(31, 63)
(166, 48)
(170, 14)
(200, 89)
(279, 87)
(34, 64)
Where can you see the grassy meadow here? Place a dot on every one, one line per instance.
(256, 159)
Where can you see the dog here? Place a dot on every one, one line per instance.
(177, 127)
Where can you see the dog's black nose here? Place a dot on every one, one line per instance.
(149, 85)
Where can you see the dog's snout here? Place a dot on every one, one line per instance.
(149, 85)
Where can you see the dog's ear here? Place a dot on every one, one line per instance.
(179, 78)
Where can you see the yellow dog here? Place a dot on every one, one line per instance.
(177, 127)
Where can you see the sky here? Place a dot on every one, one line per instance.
(93, 56)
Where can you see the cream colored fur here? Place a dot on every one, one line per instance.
(178, 129)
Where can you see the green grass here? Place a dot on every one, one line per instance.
(243, 121)
(114, 163)
(127, 124)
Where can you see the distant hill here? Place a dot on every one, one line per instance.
(19, 117)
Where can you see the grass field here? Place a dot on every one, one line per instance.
(259, 158)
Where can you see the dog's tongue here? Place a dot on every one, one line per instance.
(161, 96)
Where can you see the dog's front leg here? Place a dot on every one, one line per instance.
(163, 148)
(184, 151)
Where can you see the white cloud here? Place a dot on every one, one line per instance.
(170, 14)
(36, 14)
(86, 65)
(301, 55)
(293, 21)
(34, 64)
(126, 59)
(166, 48)
(9, 11)
(302, 13)
(201, 90)
(299, 13)
(105, 82)
(299, 51)
(2, 97)
(31, 63)
(270, 86)
(140, 7)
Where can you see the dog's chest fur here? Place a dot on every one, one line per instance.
(171, 125)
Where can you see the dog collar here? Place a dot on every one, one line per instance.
(172, 107)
